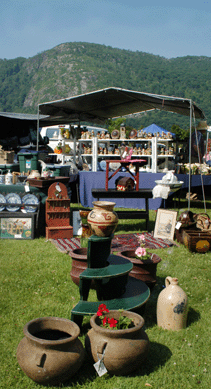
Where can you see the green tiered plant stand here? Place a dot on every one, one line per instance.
(114, 286)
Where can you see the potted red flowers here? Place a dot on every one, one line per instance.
(122, 323)
(117, 338)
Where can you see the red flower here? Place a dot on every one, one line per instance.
(112, 322)
(104, 321)
(103, 308)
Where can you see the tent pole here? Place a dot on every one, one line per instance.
(38, 126)
(189, 184)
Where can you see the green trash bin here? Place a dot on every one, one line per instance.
(28, 161)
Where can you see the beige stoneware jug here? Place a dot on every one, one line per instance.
(172, 306)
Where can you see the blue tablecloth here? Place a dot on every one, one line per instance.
(89, 180)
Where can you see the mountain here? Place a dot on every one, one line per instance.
(73, 68)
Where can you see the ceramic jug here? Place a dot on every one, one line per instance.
(8, 178)
(172, 306)
(102, 219)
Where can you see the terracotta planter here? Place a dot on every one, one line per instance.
(124, 350)
(102, 219)
(50, 353)
(143, 270)
(79, 263)
(172, 306)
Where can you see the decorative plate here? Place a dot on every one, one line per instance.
(2, 201)
(30, 199)
(115, 134)
(133, 134)
(103, 165)
(13, 198)
(114, 166)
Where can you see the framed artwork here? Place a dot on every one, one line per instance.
(165, 224)
(77, 228)
(14, 227)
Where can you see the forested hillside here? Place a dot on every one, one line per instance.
(74, 68)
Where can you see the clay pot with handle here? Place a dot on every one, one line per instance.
(122, 350)
(50, 353)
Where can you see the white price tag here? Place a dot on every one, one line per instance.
(26, 187)
(100, 367)
(178, 225)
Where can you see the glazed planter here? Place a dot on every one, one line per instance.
(143, 270)
(50, 353)
(172, 306)
(103, 219)
(124, 350)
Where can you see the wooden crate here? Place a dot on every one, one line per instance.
(197, 241)
(6, 157)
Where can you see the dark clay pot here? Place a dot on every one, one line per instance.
(143, 270)
(50, 353)
(79, 263)
(124, 350)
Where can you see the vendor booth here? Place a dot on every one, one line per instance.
(99, 106)
(22, 137)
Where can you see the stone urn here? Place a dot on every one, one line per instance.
(124, 350)
(50, 353)
(172, 306)
(143, 270)
(103, 219)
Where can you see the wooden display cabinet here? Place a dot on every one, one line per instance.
(57, 213)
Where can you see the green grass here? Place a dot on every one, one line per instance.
(35, 282)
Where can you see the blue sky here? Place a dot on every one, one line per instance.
(28, 27)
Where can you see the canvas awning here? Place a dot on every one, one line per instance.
(100, 105)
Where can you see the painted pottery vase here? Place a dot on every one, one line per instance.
(50, 353)
(143, 270)
(103, 219)
(123, 350)
(172, 306)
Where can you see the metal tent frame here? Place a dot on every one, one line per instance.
(109, 103)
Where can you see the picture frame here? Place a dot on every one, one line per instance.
(165, 224)
(77, 227)
(17, 227)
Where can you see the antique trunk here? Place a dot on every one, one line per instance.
(125, 183)
(197, 241)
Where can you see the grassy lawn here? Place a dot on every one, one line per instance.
(35, 282)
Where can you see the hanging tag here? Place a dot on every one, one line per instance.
(26, 187)
(178, 225)
(99, 366)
